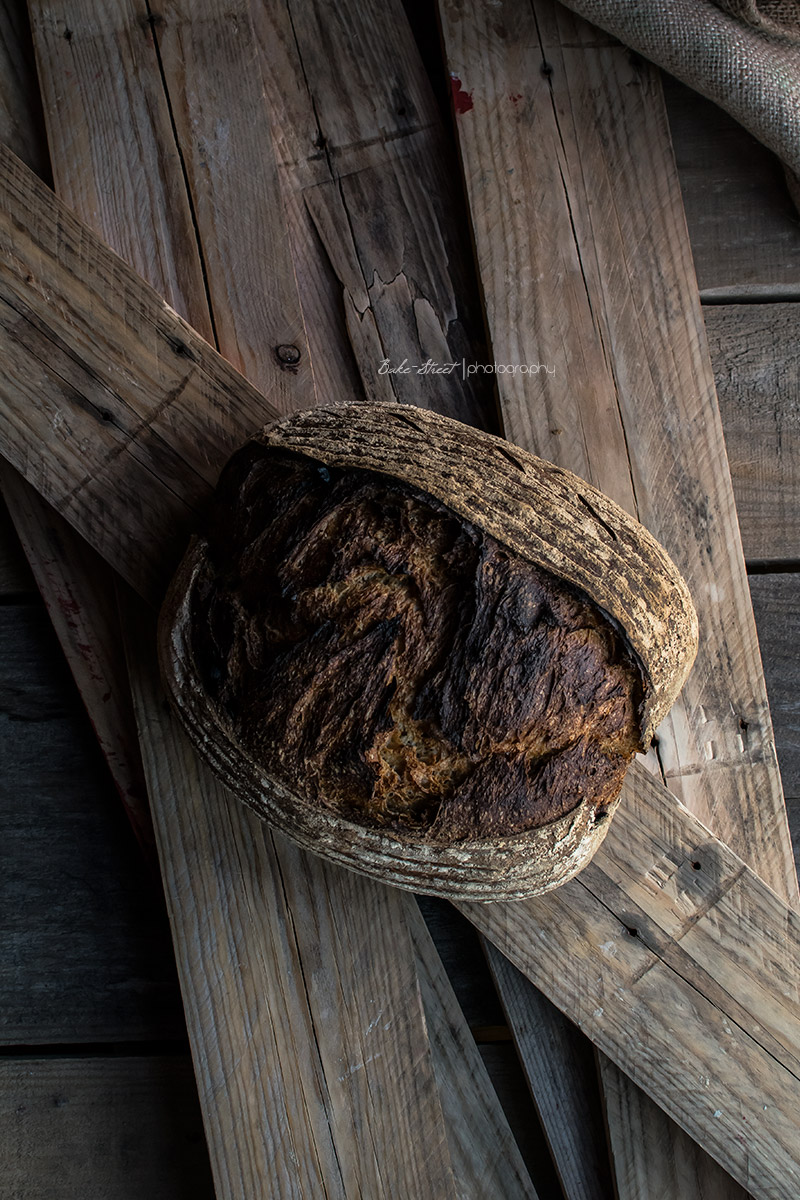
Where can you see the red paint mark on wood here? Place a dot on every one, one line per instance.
(462, 101)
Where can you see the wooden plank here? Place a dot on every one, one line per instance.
(78, 591)
(84, 944)
(754, 349)
(776, 601)
(207, 53)
(559, 1064)
(88, 54)
(21, 124)
(742, 223)
(217, 199)
(15, 574)
(631, 949)
(668, 1163)
(158, 412)
(486, 1157)
(564, 113)
(107, 1126)
(761, 920)
(371, 185)
(331, 1031)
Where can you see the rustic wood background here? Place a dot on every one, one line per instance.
(95, 1078)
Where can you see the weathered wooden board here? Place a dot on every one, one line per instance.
(776, 602)
(121, 138)
(743, 226)
(371, 184)
(560, 1067)
(755, 350)
(653, 951)
(207, 53)
(125, 1127)
(84, 945)
(555, 119)
(486, 1158)
(667, 1163)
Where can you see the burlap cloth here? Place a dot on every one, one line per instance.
(742, 54)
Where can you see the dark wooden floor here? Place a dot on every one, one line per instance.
(96, 1088)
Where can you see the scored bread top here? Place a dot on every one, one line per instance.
(541, 512)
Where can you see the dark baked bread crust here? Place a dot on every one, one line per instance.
(393, 662)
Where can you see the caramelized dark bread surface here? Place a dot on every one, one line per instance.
(390, 661)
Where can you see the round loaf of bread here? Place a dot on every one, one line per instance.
(422, 652)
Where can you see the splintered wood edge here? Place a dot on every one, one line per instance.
(537, 510)
(547, 516)
(503, 868)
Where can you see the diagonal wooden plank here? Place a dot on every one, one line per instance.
(562, 113)
(559, 1064)
(488, 1159)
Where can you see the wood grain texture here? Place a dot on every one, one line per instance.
(743, 226)
(77, 588)
(330, 1029)
(21, 122)
(487, 1161)
(84, 946)
(150, 405)
(776, 602)
(123, 1127)
(754, 349)
(15, 574)
(89, 54)
(207, 52)
(646, 922)
(371, 189)
(667, 1163)
(559, 1065)
(549, 95)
